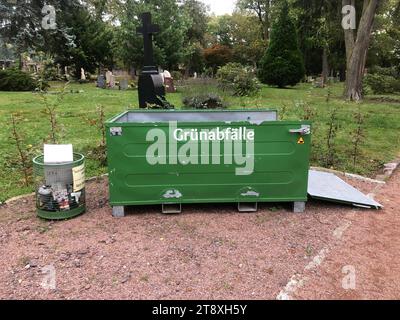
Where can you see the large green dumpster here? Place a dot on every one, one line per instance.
(177, 157)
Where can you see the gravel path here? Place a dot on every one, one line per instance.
(208, 252)
(368, 252)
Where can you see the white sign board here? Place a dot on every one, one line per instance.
(78, 174)
(58, 153)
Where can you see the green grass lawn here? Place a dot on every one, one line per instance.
(380, 144)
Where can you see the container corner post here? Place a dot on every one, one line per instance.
(118, 211)
(299, 207)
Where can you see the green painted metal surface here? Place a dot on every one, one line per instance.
(62, 215)
(279, 173)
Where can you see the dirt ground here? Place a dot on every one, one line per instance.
(370, 247)
(208, 252)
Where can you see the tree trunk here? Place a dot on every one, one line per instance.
(21, 64)
(356, 50)
(349, 38)
(325, 67)
(262, 8)
(267, 23)
(187, 70)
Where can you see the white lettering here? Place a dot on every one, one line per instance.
(229, 146)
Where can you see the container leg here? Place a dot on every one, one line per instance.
(118, 212)
(171, 208)
(299, 207)
(247, 206)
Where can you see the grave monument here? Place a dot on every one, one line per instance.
(151, 84)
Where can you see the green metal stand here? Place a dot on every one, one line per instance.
(59, 194)
(60, 215)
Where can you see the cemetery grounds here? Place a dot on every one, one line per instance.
(208, 252)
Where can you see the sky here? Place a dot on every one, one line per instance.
(220, 6)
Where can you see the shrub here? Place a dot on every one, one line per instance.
(177, 75)
(24, 154)
(17, 80)
(391, 71)
(134, 84)
(217, 56)
(202, 94)
(238, 79)
(381, 84)
(163, 103)
(206, 101)
(99, 152)
(81, 81)
(50, 72)
(282, 64)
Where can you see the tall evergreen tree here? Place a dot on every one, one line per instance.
(92, 39)
(282, 64)
(79, 38)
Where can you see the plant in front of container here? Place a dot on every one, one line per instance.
(24, 151)
(50, 110)
(99, 152)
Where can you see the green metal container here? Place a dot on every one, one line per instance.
(60, 188)
(154, 159)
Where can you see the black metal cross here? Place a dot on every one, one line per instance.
(147, 30)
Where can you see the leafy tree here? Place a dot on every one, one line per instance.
(219, 29)
(320, 34)
(248, 45)
(282, 65)
(79, 38)
(197, 12)
(194, 58)
(385, 44)
(217, 56)
(169, 44)
(106, 10)
(239, 32)
(6, 50)
(92, 38)
(20, 24)
(264, 10)
(395, 34)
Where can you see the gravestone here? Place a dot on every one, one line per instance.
(66, 73)
(123, 84)
(59, 70)
(169, 82)
(83, 75)
(108, 77)
(101, 81)
(112, 82)
(151, 85)
(132, 72)
(331, 80)
(319, 83)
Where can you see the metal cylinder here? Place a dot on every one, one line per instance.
(60, 188)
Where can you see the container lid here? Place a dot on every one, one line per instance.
(58, 153)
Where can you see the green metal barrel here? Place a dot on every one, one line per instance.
(60, 188)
